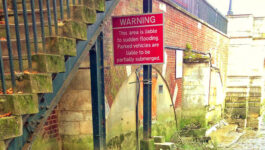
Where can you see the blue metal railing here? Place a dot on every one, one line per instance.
(20, 35)
(203, 10)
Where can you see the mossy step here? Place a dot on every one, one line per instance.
(23, 47)
(31, 83)
(61, 45)
(10, 127)
(2, 145)
(81, 13)
(100, 5)
(19, 104)
(22, 30)
(48, 63)
(73, 29)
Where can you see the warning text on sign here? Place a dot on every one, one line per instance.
(138, 39)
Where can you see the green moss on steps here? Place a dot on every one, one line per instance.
(19, 104)
(100, 5)
(48, 63)
(31, 83)
(2, 145)
(74, 29)
(84, 14)
(10, 127)
(89, 3)
(61, 45)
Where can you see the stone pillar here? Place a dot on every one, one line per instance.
(75, 112)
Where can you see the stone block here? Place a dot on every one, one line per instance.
(60, 45)
(164, 146)
(84, 14)
(73, 29)
(236, 105)
(86, 127)
(76, 100)
(81, 81)
(2, 145)
(100, 5)
(255, 110)
(78, 142)
(239, 94)
(10, 127)
(159, 139)
(254, 99)
(71, 115)
(69, 128)
(31, 83)
(147, 144)
(236, 113)
(19, 104)
(235, 99)
(48, 63)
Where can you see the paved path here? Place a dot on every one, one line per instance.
(251, 140)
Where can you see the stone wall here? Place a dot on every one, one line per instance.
(196, 80)
(75, 113)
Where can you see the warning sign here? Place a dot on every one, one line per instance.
(138, 39)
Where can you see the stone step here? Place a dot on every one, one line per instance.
(73, 29)
(19, 104)
(31, 83)
(235, 99)
(85, 12)
(53, 45)
(22, 31)
(100, 5)
(10, 127)
(48, 63)
(236, 105)
(236, 113)
(165, 146)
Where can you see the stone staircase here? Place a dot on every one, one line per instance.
(52, 63)
(243, 103)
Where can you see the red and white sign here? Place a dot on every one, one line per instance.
(138, 39)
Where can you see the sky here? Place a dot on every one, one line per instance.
(255, 7)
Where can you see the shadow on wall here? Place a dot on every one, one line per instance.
(121, 122)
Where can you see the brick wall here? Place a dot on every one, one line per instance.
(180, 28)
(51, 128)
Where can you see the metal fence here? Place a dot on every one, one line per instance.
(203, 10)
(40, 12)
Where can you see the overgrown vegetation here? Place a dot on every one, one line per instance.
(190, 56)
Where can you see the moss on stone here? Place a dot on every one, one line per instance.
(74, 29)
(81, 142)
(42, 143)
(100, 5)
(190, 56)
(61, 45)
(125, 141)
(19, 104)
(191, 116)
(2, 145)
(147, 144)
(48, 63)
(31, 83)
(84, 14)
(10, 127)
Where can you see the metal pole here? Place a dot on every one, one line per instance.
(230, 12)
(97, 92)
(147, 74)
